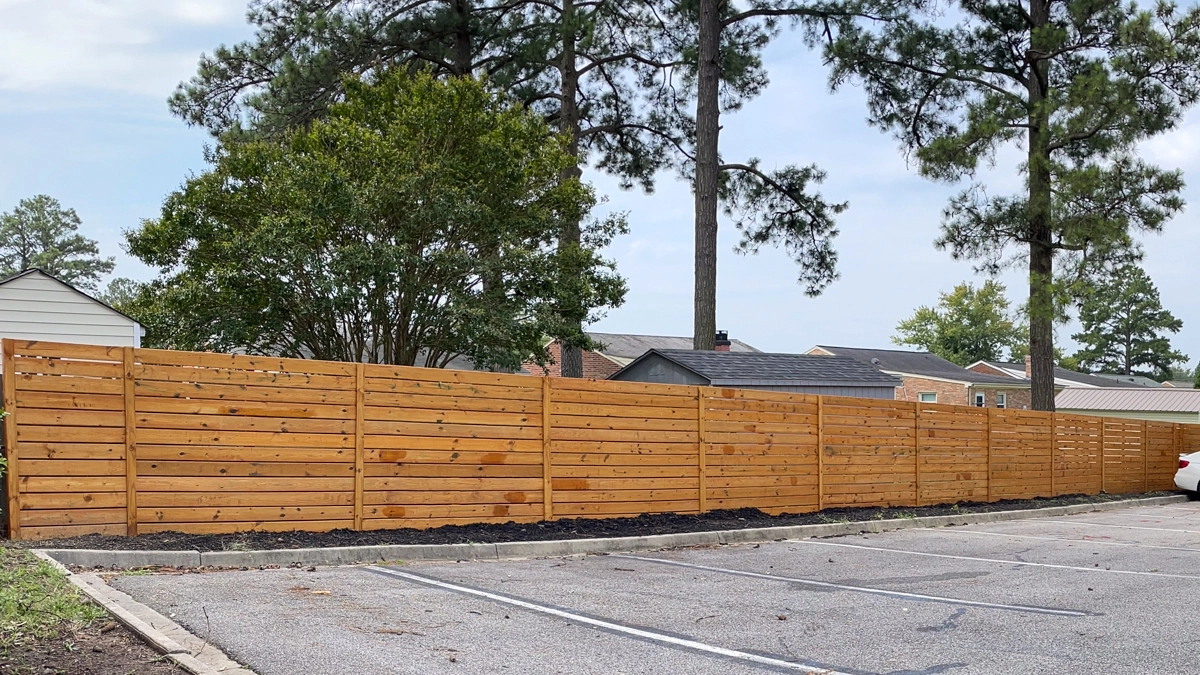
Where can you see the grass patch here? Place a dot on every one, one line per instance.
(36, 600)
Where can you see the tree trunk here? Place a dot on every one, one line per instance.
(708, 127)
(571, 357)
(1041, 251)
(461, 65)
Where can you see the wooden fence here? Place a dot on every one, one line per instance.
(121, 441)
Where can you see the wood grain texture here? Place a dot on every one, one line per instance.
(120, 441)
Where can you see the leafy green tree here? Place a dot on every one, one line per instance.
(1074, 84)
(416, 222)
(41, 233)
(121, 294)
(593, 69)
(966, 326)
(1125, 326)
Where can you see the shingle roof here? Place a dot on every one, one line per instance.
(731, 368)
(1061, 373)
(920, 363)
(1145, 399)
(626, 347)
(1130, 380)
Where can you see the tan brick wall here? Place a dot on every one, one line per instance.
(949, 393)
(1016, 399)
(595, 366)
(985, 369)
(954, 393)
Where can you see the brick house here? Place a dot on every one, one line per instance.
(1063, 378)
(617, 350)
(929, 378)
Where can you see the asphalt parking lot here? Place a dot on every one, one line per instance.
(1113, 592)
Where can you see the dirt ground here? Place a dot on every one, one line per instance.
(104, 648)
(566, 528)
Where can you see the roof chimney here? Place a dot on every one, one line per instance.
(722, 343)
(1028, 367)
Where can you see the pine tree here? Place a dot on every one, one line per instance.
(1125, 326)
(1075, 84)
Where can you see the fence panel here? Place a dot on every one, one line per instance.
(1124, 460)
(1162, 450)
(952, 457)
(623, 448)
(1022, 449)
(228, 443)
(762, 450)
(122, 441)
(869, 452)
(450, 447)
(69, 441)
(1077, 454)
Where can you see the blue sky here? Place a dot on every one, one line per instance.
(83, 117)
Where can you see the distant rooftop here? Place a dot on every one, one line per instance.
(1060, 373)
(1145, 399)
(918, 363)
(1127, 380)
(624, 347)
(732, 368)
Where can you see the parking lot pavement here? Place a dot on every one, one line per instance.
(1117, 592)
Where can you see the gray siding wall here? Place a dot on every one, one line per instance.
(888, 393)
(36, 307)
(659, 370)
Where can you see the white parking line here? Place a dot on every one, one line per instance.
(996, 560)
(607, 625)
(864, 589)
(1069, 541)
(1127, 527)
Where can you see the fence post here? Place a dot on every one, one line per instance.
(1103, 449)
(820, 453)
(1145, 456)
(10, 438)
(702, 449)
(989, 453)
(359, 434)
(547, 465)
(917, 449)
(1053, 451)
(131, 519)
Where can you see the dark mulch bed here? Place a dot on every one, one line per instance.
(100, 649)
(574, 528)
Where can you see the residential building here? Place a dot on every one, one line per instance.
(928, 378)
(1163, 404)
(796, 373)
(1062, 377)
(617, 350)
(37, 306)
(1180, 384)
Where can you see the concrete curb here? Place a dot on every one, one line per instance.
(163, 635)
(547, 549)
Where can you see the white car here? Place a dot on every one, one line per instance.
(1188, 475)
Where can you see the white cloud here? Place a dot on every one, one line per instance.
(138, 46)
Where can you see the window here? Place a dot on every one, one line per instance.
(1001, 400)
(927, 397)
(980, 400)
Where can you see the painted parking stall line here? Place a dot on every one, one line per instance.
(999, 561)
(920, 597)
(1065, 539)
(1123, 527)
(610, 626)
